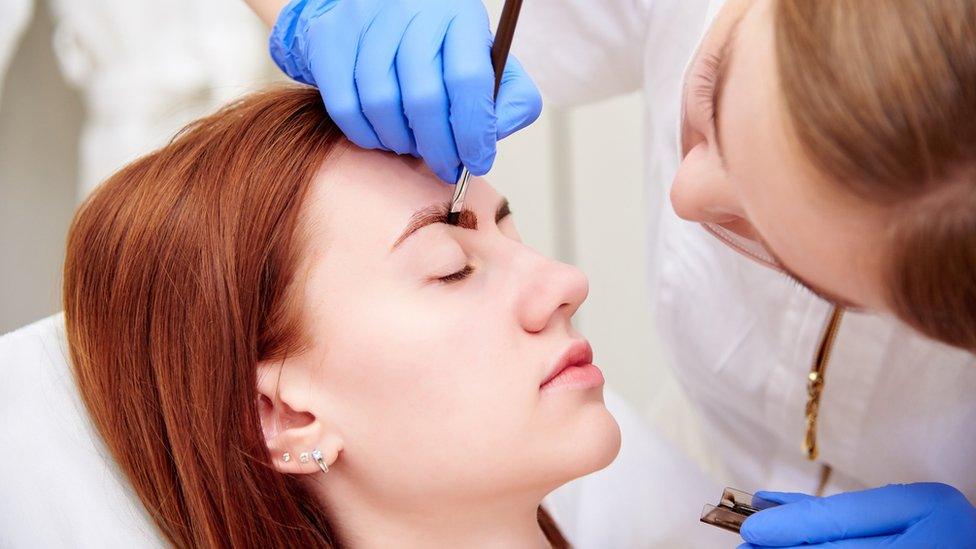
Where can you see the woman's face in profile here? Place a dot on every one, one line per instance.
(744, 175)
(430, 344)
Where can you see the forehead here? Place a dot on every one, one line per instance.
(367, 197)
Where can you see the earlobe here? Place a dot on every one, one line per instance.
(300, 452)
(298, 441)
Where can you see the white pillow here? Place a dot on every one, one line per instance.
(59, 487)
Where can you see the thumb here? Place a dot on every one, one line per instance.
(782, 497)
(519, 102)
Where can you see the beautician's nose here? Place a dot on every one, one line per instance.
(702, 190)
(553, 291)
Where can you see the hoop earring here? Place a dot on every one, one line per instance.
(317, 455)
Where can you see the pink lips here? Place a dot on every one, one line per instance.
(574, 369)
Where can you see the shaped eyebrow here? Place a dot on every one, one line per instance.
(437, 213)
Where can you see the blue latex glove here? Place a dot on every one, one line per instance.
(898, 515)
(409, 76)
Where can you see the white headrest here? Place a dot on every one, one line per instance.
(58, 486)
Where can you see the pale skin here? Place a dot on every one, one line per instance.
(761, 186)
(422, 387)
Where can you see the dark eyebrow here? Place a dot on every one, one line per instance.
(437, 213)
(721, 77)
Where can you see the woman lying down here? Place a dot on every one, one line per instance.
(282, 343)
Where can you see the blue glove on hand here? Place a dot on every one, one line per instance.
(898, 515)
(409, 76)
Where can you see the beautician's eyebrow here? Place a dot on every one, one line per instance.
(437, 213)
(721, 77)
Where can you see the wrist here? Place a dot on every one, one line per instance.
(288, 43)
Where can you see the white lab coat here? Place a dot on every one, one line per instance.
(896, 406)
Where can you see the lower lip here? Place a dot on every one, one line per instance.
(585, 376)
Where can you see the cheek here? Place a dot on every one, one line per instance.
(440, 380)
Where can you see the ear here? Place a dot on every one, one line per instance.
(291, 430)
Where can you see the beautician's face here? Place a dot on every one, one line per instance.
(743, 171)
(430, 347)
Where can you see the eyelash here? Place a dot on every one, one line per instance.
(705, 91)
(468, 270)
(457, 276)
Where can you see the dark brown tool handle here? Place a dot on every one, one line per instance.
(503, 39)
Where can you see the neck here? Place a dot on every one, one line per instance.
(486, 525)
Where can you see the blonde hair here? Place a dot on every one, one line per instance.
(882, 98)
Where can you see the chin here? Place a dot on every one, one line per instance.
(602, 436)
(590, 443)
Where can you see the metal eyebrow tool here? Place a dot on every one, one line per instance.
(499, 54)
(734, 508)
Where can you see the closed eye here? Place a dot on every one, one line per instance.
(704, 91)
(504, 210)
(457, 276)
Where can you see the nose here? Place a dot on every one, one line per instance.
(702, 190)
(551, 293)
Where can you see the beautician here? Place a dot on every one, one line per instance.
(812, 171)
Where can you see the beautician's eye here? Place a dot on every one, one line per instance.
(704, 91)
(457, 276)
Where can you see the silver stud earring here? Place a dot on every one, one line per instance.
(318, 459)
(286, 457)
(303, 457)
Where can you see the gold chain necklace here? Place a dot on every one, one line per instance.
(816, 378)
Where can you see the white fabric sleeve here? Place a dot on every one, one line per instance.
(579, 51)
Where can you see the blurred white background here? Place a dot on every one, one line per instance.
(90, 85)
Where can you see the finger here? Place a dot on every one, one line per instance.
(470, 83)
(859, 543)
(333, 66)
(782, 497)
(377, 82)
(519, 102)
(869, 513)
(421, 70)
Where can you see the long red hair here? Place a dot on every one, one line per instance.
(178, 281)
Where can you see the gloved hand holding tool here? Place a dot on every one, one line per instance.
(898, 515)
(410, 76)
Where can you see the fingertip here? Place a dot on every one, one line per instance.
(350, 119)
(782, 497)
(519, 104)
(448, 175)
(748, 530)
(484, 165)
